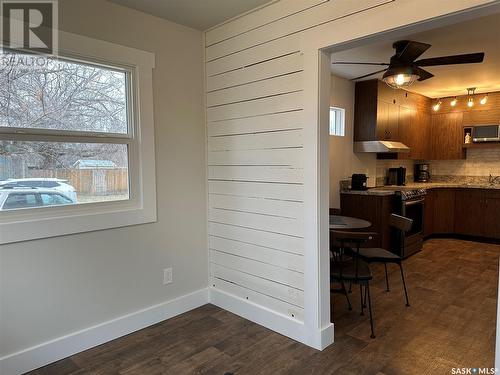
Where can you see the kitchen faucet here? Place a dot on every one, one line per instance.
(493, 180)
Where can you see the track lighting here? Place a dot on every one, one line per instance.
(484, 100)
(470, 100)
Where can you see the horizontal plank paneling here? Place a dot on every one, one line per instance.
(258, 284)
(261, 89)
(260, 141)
(264, 270)
(255, 55)
(291, 157)
(257, 107)
(277, 258)
(286, 192)
(250, 125)
(259, 17)
(257, 237)
(268, 69)
(271, 303)
(326, 12)
(282, 225)
(257, 205)
(257, 174)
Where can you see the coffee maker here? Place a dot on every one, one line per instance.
(422, 173)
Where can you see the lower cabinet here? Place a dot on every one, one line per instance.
(491, 214)
(467, 211)
(444, 211)
(374, 208)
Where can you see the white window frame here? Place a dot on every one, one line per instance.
(140, 208)
(342, 122)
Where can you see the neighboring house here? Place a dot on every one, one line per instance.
(94, 164)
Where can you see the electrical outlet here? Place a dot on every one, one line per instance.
(167, 276)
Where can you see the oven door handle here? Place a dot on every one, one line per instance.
(411, 203)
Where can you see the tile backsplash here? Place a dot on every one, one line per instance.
(479, 162)
(478, 165)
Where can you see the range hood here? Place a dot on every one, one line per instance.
(380, 147)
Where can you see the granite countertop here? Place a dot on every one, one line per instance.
(389, 190)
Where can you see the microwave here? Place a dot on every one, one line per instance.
(485, 133)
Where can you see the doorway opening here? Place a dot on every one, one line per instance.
(412, 152)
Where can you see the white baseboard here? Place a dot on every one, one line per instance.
(296, 330)
(62, 347)
(326, 337)
(258, 314)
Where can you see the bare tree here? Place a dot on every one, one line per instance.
(63, 95)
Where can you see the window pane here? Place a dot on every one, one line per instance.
(64, 95)
(52, 199)
(63, 173)
(20, 200)
(337, 121)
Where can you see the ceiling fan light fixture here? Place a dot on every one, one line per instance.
(454, 102)
(470, 102)
(398, 77)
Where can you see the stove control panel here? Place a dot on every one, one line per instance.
(411, 194)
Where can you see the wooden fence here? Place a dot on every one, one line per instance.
(89, 181)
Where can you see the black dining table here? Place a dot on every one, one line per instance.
(338, 222)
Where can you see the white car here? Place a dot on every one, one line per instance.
(42, 183)
(15, 198)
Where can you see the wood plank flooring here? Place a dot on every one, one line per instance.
(451, 323)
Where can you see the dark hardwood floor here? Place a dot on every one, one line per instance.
(451, 323)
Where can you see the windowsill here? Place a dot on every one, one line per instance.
(19, 226)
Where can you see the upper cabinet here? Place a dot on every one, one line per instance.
(385, 114)
(446, 136)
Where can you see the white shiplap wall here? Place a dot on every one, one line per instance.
(255, 121)
(259, 128)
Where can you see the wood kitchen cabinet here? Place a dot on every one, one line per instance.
(469, 215)
(385, 114)
(446, 136)
(387, 121)
(374, 208)
(467, 211)
(443, 215)
(491, 212)
(429, 213)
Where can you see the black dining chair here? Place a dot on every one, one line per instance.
(401, 225)
(352, 270)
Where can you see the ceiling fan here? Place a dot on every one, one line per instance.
(403, 70)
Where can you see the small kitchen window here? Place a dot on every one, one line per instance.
(337, 121)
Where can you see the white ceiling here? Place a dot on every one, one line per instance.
(198, 14)
(479, 35)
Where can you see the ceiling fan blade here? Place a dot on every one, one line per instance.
(359, 63)
(470, 58)
(424, 74)
(368, 75)
(411, 51)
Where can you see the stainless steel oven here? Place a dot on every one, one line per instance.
(411, 204)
